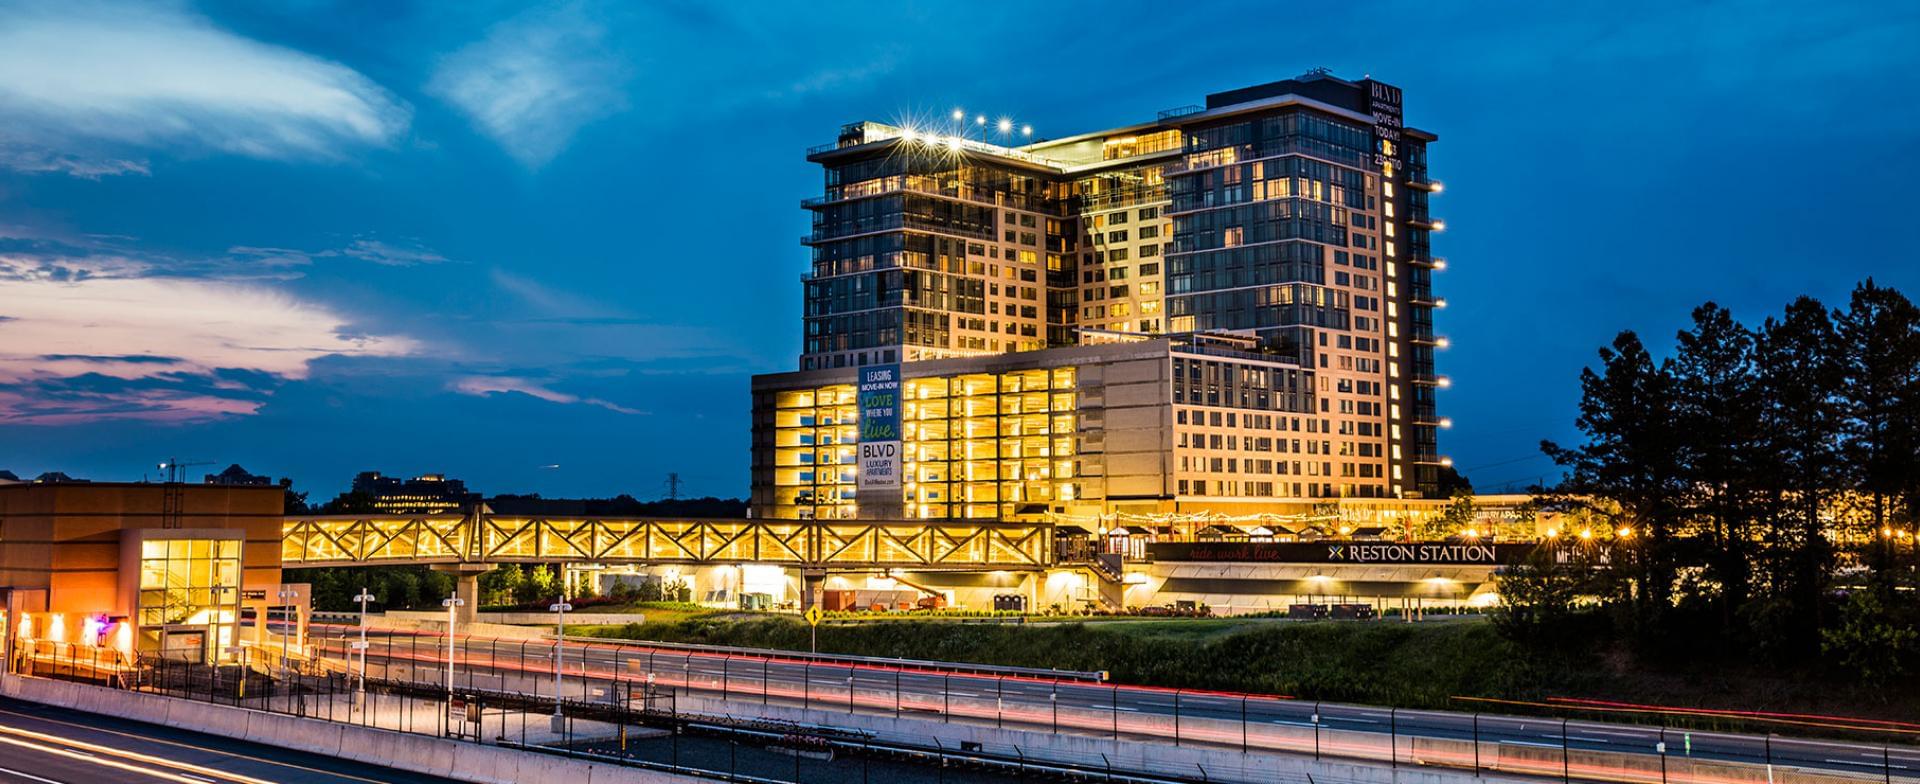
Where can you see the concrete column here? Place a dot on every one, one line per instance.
(813, 582)
(466, 587)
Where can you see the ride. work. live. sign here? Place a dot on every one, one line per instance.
(878, 398)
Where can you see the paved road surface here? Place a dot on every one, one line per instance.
(46, 745)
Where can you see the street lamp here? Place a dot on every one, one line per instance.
(452, 603)
(287, 595)
(559, 640)
(360, 694)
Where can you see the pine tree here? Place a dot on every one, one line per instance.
(1717, 422)
(1801, 381)
(1629, 465)
(1879, 341)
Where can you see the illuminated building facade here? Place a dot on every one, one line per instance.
(1285, 224)
(137, 568)
(1147, 426)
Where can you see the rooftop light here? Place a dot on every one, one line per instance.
(1026, 130)
(959, 114)
(1006, 125)
(980, 119)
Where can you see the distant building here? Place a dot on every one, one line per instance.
(56, 477)
(8, 476)
(424, 494)
(235, 476)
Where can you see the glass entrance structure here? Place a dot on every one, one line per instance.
(189, 597)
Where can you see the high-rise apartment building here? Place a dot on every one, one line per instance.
(1287, 220)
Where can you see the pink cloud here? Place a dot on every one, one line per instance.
(107, 344)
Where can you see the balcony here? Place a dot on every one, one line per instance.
(1018, 201)
(893, 222)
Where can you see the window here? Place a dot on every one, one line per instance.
(189, 582)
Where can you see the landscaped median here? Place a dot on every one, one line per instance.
(387, 748)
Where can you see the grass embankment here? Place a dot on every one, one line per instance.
(1424, 665)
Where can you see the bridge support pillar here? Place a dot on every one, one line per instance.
(811, 584)
(466, 586)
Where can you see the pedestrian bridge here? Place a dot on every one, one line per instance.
(488, 538)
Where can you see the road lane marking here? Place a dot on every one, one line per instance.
(185, 745)
(28, 776)
(111, 763)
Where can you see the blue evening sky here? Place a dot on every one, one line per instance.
(490, 239)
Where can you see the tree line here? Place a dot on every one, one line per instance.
(1754, 493)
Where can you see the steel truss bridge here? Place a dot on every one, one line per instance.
(487, 538)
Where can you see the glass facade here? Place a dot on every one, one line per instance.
(189, 596)
(978, 446)
(1293, 213)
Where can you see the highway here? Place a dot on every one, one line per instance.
(46, 745)
(1515, 744)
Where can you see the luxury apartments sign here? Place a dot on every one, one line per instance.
(1340, 552)
(878, 398)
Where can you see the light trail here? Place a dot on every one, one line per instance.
(189, 746)
(115, 759)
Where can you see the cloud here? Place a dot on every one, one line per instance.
(34, 161)
(535, 80)
(88, 348)
(483, 386)
(82, 81)
(391, 255)
(380, 252)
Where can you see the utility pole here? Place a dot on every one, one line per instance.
(673, 486)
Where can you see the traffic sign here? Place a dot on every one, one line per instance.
(813, 615)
